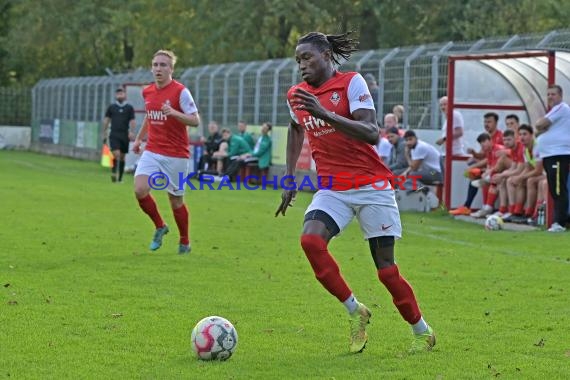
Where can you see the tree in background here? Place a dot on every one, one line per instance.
(59, 38)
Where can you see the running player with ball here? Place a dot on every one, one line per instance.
(337, 113)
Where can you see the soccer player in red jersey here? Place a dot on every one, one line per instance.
(170, 108)
(336, 112)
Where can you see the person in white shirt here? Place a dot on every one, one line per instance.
(423, 160)
(383, 148)
(458, 125)
(554, 129)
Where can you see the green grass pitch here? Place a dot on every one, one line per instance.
(82, 297)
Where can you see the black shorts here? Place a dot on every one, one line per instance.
(120, 144)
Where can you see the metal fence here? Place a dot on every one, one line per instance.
(414, 77)
(15, 105)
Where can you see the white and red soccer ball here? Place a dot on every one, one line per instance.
(214, 338)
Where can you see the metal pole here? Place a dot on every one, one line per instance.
(258, 90)
(96, 116)
(381, 86)
(295, 75)
(449, 133)
(35, 116)
(240, 96)
(510, 41)
(196, 93)
(407, 65)
(226, 93)
(364, 58)
(65, 88)
(547, 38)
(211, 96)
(434, 84)
(551, 80)
(276, 89)
(477, 45)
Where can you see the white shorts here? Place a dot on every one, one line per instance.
(376, 210)
(164, 172)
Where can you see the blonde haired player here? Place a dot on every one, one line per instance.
(169, 108)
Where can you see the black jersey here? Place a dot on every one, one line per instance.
(120, 116)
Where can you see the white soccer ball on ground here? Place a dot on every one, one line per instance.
(214, 338)
(493, 223)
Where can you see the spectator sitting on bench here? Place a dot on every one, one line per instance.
(230, 151)
(244, 134)
(423, 161)
(262, 150)
(211, 145)
(397, 161)
(383, 147)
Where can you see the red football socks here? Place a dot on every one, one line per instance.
(485, 191)
(148, 205)
(518, 209)
(402, 293)
(325, 267)
(181, 216)
(491, 198)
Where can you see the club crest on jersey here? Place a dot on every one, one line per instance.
(335, 98)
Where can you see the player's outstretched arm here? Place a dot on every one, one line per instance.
(295, 137)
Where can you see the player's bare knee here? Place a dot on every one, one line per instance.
(382, 250)
(141, 192)
(142, 189)
(175, 201)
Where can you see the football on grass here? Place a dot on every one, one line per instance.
(214, 338)
(493, 223)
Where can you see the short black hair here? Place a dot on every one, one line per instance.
(491, 114)
(393, 130)
(483, 137)
(269, 125)
(526, 127)
(409, 133)
(512, 116)
(509, 133)
(120, 89)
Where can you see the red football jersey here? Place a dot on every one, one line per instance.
(166, 135)
(497, 137)
(517, 153)
(492, 155)
(350, 163)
